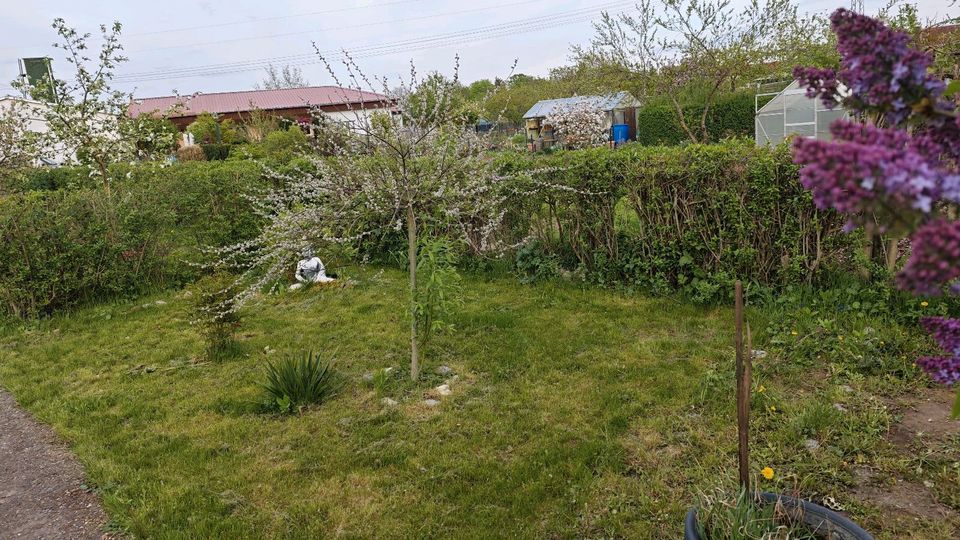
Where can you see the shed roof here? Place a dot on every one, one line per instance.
(244, 101)
(608, 102)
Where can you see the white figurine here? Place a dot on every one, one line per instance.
(310, 269)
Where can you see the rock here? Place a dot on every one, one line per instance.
(928, 484)
(839, 407)
(146, 306)
(296, 286)
(758, 354)
(444, 370)
(444, 390)
(367, 377)
(268, 350)
(846, 388)
(387, 402)
(431, 402)
(811, 444)
(160, 303)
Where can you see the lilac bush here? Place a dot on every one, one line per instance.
(895, 164)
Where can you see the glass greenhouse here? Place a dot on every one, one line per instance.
(791, 112)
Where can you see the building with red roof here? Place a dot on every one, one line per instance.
(341, 104)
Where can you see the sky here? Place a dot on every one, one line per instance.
(187, 46)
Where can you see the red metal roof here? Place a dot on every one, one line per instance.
(227, 102)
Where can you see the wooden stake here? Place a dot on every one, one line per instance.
(743, 389)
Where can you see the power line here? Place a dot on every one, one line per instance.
(498, 30)
(333, 28)
(274, 18)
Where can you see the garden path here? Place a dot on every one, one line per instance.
(42, 494)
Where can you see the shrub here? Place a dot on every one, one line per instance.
(191, 152)
(216, 152)
(216, 315)
(208, 130)
(295, 383)
(283, 145)
(692, 217)
(731, 116)
(60, 248)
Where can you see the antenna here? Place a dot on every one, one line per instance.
(856, 6)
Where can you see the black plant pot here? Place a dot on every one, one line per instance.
(820, 520)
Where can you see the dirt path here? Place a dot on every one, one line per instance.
(40, 493)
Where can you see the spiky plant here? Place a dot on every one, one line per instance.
(297, 382)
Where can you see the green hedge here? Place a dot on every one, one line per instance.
(62, 247)
(690, 217)
(731, 116)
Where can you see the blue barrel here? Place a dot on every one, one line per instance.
(621, 132)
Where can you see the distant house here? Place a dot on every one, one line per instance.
(54, 154)
(338, 104)
(621, 109)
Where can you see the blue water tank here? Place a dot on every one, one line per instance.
(621, 132)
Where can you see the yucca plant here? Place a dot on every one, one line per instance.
(295, 383)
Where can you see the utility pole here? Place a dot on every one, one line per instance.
(856, 6)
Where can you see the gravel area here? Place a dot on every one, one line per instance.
(40, 482)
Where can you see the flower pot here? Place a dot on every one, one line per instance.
(820, 520)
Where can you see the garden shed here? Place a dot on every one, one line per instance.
(791, 112)
(620, 108)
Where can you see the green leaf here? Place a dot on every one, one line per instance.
(956, 407)
(952, 88)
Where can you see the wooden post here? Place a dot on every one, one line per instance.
(743, 390)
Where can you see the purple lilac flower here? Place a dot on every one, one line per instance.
(878, 66)
(864, 166)
(943, 369)
(934, 258)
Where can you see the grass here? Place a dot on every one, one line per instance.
(575, 413)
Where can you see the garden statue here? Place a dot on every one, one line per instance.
(310, 269)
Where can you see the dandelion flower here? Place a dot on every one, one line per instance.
(840, 338)
(761, 390)
(793, 332)
(924, 303)
(767, 473)
(773, 408)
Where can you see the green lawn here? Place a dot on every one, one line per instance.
(576, 413)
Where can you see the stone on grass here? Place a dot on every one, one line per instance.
(296, 286)
(161, 302)
(388, 402)
(444, 390)
(367, 377)
(811, 444)
(759, 354)
(431, 402)
(839, 407)
(444, 370)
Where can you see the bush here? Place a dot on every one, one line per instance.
(693, 218)
(731, 116)
(295, 383)
(191, 152)
(283, 145)
(64, 247)
(208, 130)
(216, 314)
(216, 152)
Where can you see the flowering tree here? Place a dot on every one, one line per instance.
(87, 118)
(898, 165)
(581, 125)
(406, 165)
(708, 46)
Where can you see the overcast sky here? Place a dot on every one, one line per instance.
(228, 41)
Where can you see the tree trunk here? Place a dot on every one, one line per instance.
(412, 261)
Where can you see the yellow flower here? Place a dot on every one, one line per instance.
(767, 473)
(840, 338)
(761, 390)
(924, 303)
(793, 332)
(773, 408)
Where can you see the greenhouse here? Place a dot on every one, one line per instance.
(791, 112)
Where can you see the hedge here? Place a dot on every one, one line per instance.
(731, 116)
(670, 217)
(61, 247)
